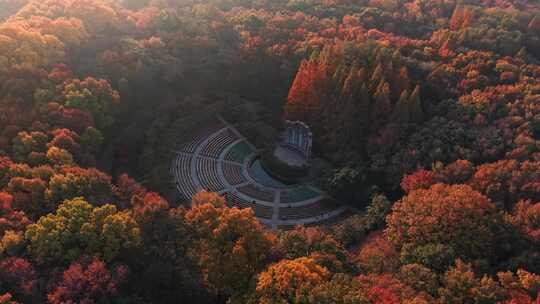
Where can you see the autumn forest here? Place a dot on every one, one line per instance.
(425, 125)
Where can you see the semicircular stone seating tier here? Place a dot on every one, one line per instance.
(217, 158)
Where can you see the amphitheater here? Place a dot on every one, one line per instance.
(218, 158)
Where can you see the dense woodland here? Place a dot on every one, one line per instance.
(428, 111)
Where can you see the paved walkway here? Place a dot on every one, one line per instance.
(275, 214)
(314, 219)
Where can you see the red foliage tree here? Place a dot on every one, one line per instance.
(526, 216)
(18, 277)
(126, 188)
(148, 204)
(307, 89)
(5, 165)
(385, 289)
(74, 119)
(10, 219)
(28, 195)
(65, 139)
(508, 181)
(457, 172)
(91, 283)
(421, 179)
(377, 255)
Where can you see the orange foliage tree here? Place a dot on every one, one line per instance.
(290, 281)
(456, 217)
(230, 246)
